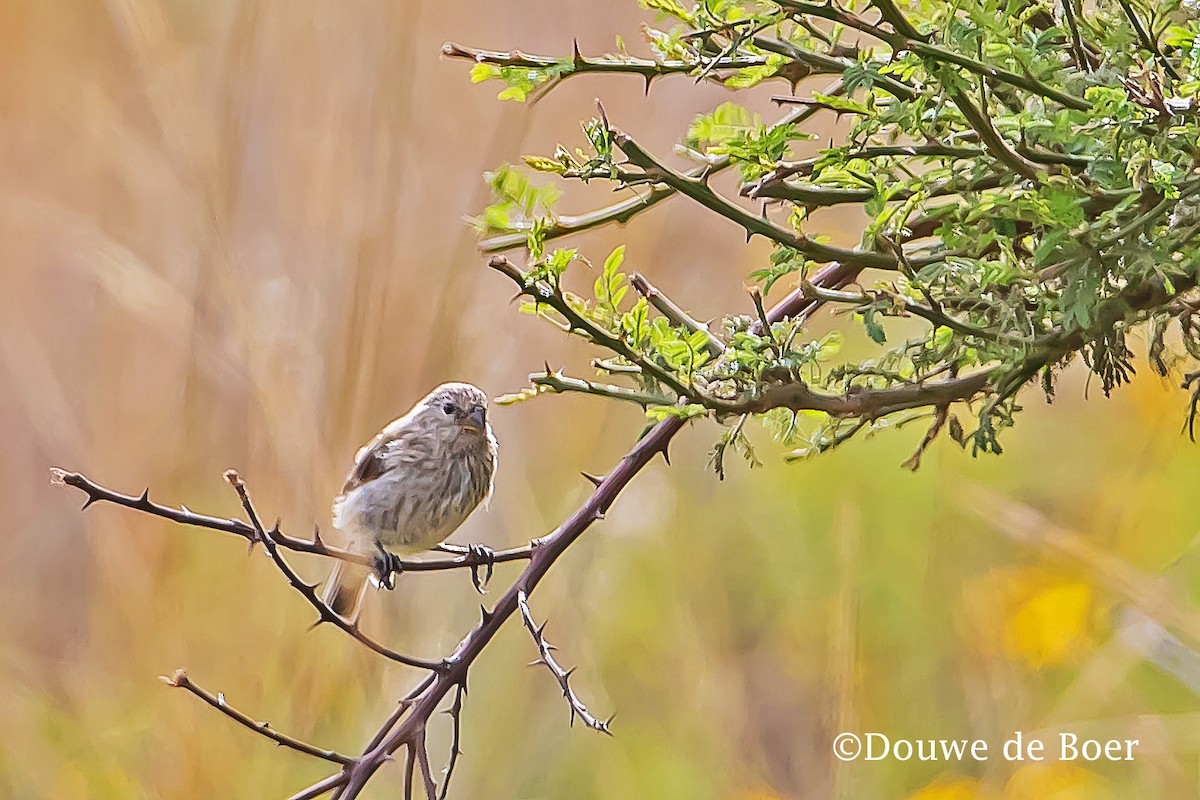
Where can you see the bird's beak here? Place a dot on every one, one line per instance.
(476, 421)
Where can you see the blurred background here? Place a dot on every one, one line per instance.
(233, 237)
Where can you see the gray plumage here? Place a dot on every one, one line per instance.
(413, 484)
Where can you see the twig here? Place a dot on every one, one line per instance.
(541, 292)
(308, 590)
(181, 680)
(563, 676)
(315, 546)
(455, 713)
(321, 787)
(557, 382)
(678, 317)
(655, 171)
(996, 144)
(577, 64)
(1146, 39)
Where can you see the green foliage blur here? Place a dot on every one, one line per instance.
(233, 238)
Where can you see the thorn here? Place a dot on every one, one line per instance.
(316, 537)
(536, 663)
(91, 498)
(576, 56)
(541, 629)
(567, 675)
(485, 615)
(145, 498)
(666, 453)
(649, 77)
(595, 481)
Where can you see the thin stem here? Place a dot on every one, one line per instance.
(181, 680)
(577, 64)
(308, 590)
(563, 676)
(678, 317)
(315, 546)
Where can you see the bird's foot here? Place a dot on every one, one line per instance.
(387, 566)
(485, 558)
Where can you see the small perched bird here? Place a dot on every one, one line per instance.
(413, 485)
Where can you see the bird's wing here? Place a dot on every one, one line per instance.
(376, 457)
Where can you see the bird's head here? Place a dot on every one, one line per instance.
(457, 412)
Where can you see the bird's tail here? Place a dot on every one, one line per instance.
(345, 588)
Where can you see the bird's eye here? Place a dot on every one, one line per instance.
(448, 408)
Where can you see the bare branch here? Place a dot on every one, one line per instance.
(321, 787)
(315, 546)
(563, 676)
(181, 680)
(308, 590)
(455, 712)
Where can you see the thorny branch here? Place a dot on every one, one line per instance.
(181, 680)
(562, 675)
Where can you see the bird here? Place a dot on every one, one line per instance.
(412, 486)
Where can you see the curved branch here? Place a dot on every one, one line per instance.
(699, 190)
(181, 680)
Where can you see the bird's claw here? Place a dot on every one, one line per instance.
(485, 558)
(387, 566)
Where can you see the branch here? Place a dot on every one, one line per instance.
(899, 42)
(308, 590)
(678, 317)
(557, 383)
(181, 680)
(577, 64)
(1147, 40)
(563, 676)
(811, 196)
(547, 295)
(862, 403)
(184, 516)
(624, 211)
(698, 190)
(993, 141)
